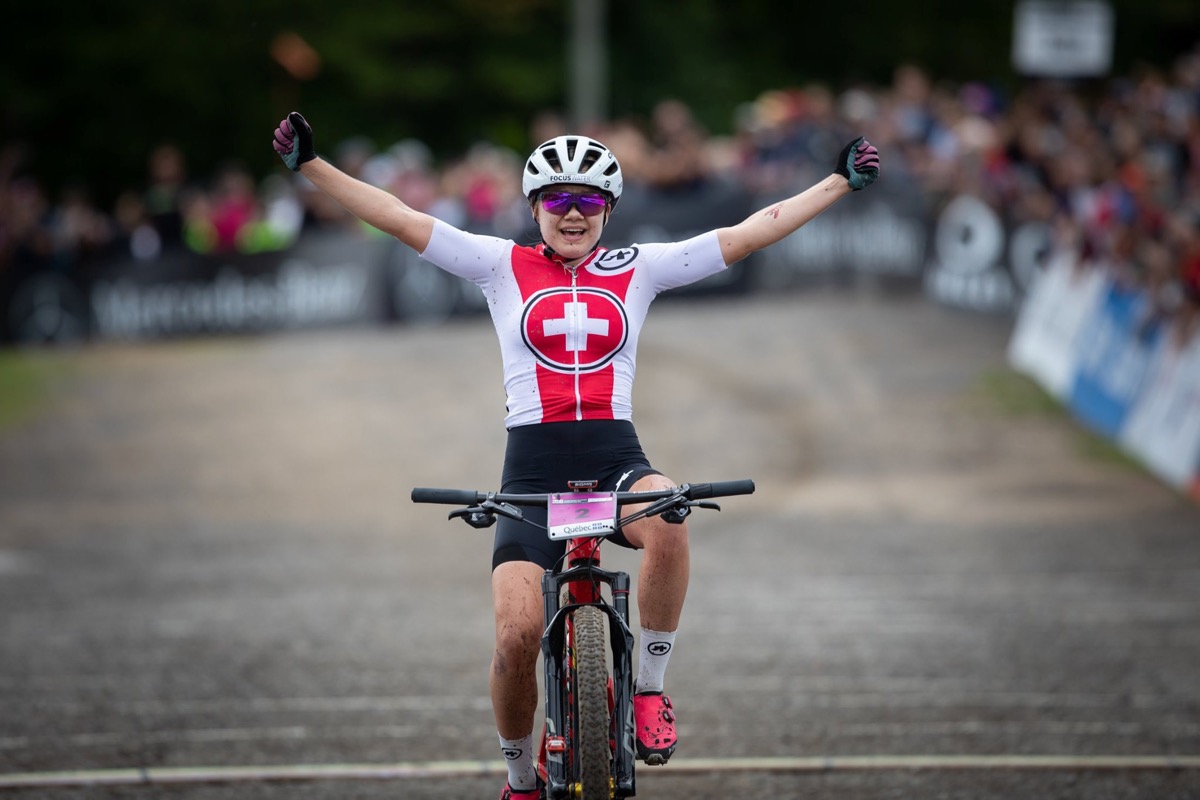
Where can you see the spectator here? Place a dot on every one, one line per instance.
(165, 191)
(1116, 173)
(234, 208)
(25, 238)
(135, 234)
(78, 230)
(677, 154)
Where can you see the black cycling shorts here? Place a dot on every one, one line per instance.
(542, 458)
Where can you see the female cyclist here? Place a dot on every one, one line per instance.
(568, 314)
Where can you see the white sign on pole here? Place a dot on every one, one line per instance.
(1063, 38)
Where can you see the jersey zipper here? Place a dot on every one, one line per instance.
(575, 337)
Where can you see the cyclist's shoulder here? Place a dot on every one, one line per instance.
(465, 232)
(690, 239)
(450, 240)
(645, 253)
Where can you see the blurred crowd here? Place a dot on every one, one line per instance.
(1113, 166)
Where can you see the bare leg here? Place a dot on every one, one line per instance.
(517, 600)
(666, 563)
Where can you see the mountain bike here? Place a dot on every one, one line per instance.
(587, 750)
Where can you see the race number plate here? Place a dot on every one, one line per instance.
(576, 514)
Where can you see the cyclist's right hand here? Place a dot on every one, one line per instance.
(294, 141)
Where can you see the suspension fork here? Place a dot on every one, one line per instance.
(582, 578)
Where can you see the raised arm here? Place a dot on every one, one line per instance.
(374, 206)
(857, 167)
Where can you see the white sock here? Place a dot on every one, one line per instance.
(652, 662)
(518, 755)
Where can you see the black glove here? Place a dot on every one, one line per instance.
(858, 163)
(294, 141)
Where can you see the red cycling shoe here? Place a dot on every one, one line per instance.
(509, 793)
(656, 738)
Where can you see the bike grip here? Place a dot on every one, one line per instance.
(450, 497)
(722, 489)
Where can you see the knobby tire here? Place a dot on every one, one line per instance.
(593, 752)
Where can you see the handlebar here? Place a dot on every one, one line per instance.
(688, 491)
(449, 497)
(700, 491)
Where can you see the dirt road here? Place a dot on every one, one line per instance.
(208, 560)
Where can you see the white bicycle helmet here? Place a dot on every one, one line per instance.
(572, 159)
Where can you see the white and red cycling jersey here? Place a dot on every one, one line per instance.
(568, 336)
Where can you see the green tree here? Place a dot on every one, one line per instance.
(90, 88)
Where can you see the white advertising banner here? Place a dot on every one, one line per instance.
(1163, 429)
(1045, 341)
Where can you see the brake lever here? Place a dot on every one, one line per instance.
(474, 516)
(674, 508)
(484, 514)
(679, 512)
(676, 515)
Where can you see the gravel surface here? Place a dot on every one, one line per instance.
(208, 559)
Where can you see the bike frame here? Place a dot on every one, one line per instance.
(580, 579)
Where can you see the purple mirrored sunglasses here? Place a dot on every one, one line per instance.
(559, 203)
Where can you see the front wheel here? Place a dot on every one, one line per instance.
(593, 754)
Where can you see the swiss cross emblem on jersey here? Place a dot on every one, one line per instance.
(574, 330)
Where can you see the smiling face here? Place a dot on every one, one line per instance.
(571, 234)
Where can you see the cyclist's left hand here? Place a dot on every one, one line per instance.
(858, 163)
